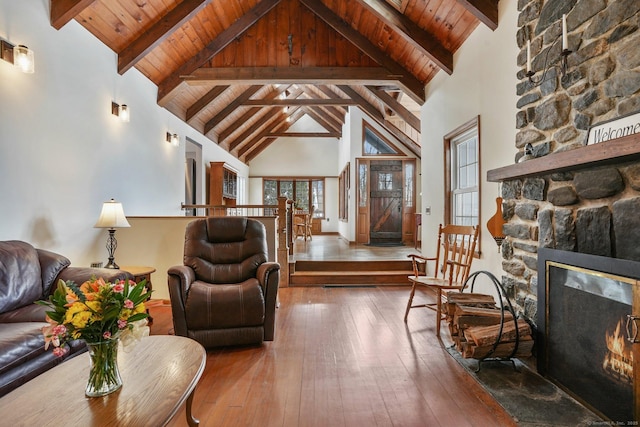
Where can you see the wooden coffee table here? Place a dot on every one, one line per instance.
(159, 374)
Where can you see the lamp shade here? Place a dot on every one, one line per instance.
(112, 216)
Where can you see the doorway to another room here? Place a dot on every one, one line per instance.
(385, 201)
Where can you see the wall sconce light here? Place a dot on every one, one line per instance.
(121, 111)
(563, 56)
(20, 56)
(173, 139)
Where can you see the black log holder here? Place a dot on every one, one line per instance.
(502, 296)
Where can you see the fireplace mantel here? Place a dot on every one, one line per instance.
(613, 151)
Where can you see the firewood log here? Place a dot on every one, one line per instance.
(473, 300)
(487, 335)
(502, 350)
(466, 317)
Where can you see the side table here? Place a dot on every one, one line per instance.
(141, 273)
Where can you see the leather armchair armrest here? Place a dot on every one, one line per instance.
(180, 278)
(268, 275)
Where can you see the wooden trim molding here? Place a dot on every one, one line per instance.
(614, 151)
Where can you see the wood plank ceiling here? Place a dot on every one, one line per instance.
(243, 71)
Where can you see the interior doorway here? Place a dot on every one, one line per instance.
(385, 201)
(385, 213)
(192, 176)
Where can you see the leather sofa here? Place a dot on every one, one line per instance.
(27, 275)
(225, 293)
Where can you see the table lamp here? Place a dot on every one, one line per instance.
(112, 217)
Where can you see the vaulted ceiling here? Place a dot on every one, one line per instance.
(242, 72)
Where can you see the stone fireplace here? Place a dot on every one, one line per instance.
(567, 196)
(590, 202)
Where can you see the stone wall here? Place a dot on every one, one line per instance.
(595, 210)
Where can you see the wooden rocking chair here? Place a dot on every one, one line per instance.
(455, 253)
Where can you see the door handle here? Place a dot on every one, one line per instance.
(632, 328)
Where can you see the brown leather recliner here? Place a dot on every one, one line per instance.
(225, 293)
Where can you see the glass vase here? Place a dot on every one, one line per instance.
(104, 376)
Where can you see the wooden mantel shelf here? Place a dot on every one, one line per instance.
(614, 151)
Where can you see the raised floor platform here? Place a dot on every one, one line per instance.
(332, 261)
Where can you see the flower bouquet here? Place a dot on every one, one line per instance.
(100, 313)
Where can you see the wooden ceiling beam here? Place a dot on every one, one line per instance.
(278, 124)
(214, 47)
(229, 130)
(409, 83)
(290, 75)
(421, 40)
(363, 103)
(331, 115)
(378, 117)
(409, 143)
(201, 103)
(258, 148)
(158, 33)
(329, 92)
(396, 107)
(224, 113)
(323, 120)
(338, 110)
(485, 10)
(334, 114)
(300, 102)
(267, 114)
(243, 157)
(63, 11)
(303, 134)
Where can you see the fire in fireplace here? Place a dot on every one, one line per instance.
(618, 362)
(585, 319)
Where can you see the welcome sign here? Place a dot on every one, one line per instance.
(614, 129)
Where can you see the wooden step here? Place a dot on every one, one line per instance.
(384, 265)
(320, 273)
(316, 278)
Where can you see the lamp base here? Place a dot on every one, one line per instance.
(112, 264)
(112, 244)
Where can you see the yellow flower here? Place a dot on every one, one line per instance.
(81, 319)
(140, 308)
(94, 305)
(78, 315)
(76, 307)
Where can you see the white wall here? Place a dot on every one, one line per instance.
(300, 157)
(62, 152)
(483, 83)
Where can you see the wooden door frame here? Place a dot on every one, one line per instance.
(362, 213)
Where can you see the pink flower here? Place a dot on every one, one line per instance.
(59, 351)
(122, 324)
(106, 335)
(118, 287)
(59, 330)
(52, 334)
(128, 304)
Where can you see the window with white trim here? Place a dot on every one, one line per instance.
(462, 175)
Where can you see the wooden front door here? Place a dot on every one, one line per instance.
(386, 201)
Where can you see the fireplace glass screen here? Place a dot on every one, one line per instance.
(587, 349)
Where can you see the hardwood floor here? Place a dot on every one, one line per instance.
(341, 357)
